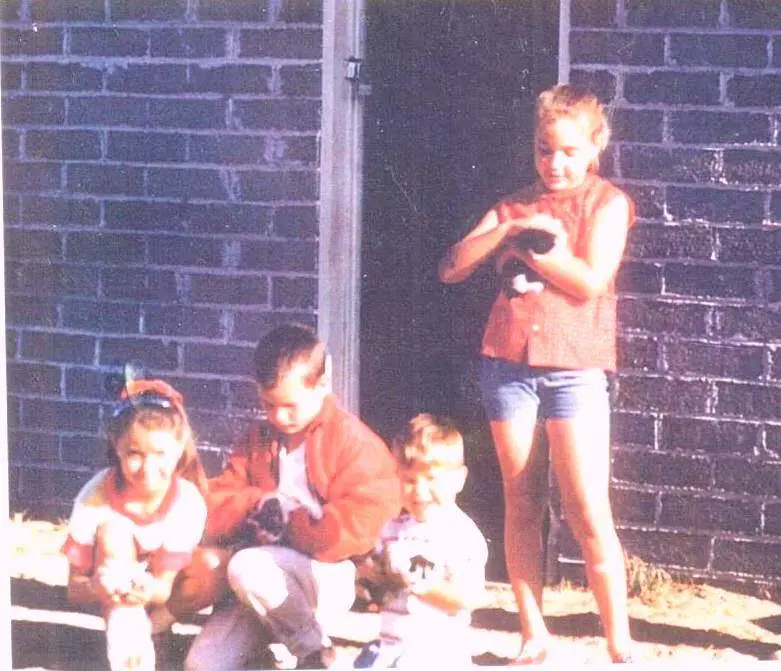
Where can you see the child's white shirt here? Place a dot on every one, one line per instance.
(456, 547)
(293, 482)
(166, 539)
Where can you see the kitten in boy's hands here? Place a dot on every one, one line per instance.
(267, 521)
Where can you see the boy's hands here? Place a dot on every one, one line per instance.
(267, 521)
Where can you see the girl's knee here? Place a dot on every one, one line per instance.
(596, 536)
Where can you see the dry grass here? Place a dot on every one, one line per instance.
(645, 581)
(35, 550)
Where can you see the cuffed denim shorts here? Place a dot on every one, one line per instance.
(512, 390)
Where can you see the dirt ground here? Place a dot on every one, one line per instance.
(673, 622)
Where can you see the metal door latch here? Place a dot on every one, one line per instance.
(355, 72)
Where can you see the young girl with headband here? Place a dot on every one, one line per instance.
(136, 523)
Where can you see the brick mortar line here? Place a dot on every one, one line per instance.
(88, 59)
(712, 186)
(194, 24)
(694, 31)
(624, 69)
(770, 541)
(762, 147)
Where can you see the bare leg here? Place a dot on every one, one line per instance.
(523, 462)
(580, 452)
(128, 629)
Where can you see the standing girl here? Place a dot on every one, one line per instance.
(135, 524)
(545, 350)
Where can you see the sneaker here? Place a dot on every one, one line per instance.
(323, 658)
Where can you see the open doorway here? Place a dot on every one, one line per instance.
(447, 131)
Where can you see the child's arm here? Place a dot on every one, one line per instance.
(109, 585)
(453, 596)
(231, 496)
(81, 590)
(590, 276)
(152, 590)
(498, 226)
(463, 258)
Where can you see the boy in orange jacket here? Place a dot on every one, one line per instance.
(308, 488)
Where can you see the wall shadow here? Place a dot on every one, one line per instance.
(588, 625)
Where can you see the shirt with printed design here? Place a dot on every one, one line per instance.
(452, 547)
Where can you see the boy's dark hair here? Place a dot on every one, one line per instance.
(285, 347)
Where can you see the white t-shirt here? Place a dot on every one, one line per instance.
(293, 483)
(457, 549)
(165, 539)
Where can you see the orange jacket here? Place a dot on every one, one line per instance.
(552, 328)
(349, 467)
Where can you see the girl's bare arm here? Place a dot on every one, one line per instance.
(80, 588)
(463, 258)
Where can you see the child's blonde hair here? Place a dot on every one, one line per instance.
(428, 442)
(572, 102)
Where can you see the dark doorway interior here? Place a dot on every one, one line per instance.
(447, 132)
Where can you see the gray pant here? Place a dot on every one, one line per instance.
(283, 596)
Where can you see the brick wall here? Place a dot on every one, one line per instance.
(160, 200)
(697, 460)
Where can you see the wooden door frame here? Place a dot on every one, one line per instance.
(341, 174)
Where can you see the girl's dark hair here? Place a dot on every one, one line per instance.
(155, 405)
(285, 347)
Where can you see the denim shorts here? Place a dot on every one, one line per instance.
(512, 390)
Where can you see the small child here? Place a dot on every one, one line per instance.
(135, 524)
(430, 560)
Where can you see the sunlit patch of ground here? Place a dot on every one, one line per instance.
(671, 621)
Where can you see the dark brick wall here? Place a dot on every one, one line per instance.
(160, 198)
(697, 421)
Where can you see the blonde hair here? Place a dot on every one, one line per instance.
(570, 101)
(429, 442)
